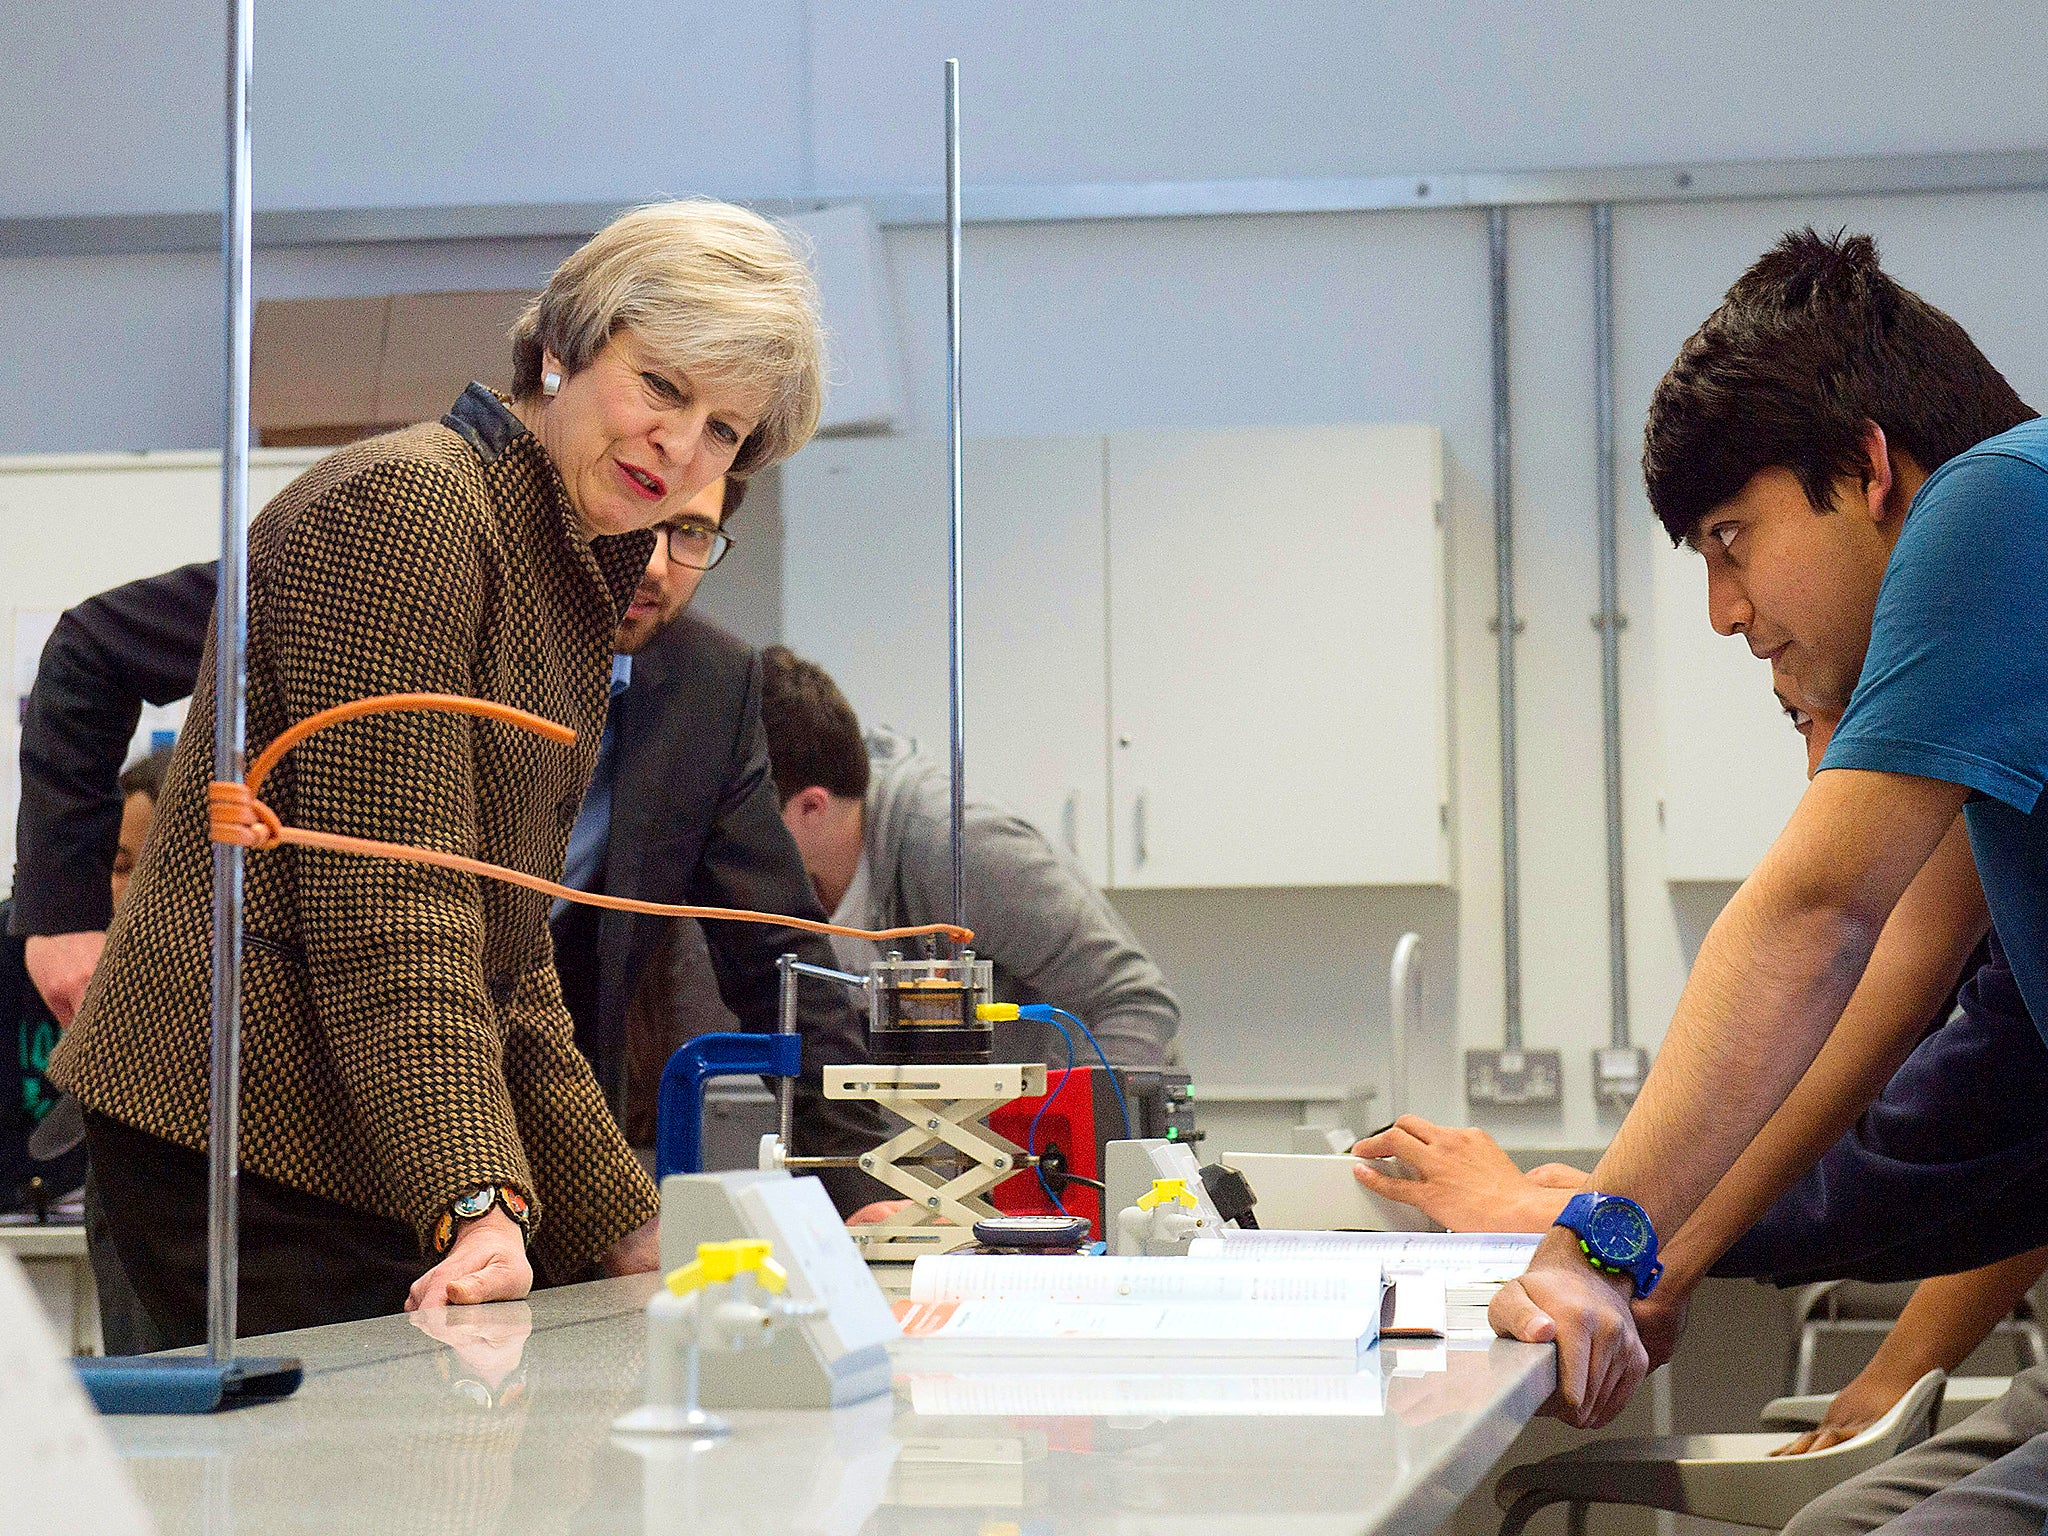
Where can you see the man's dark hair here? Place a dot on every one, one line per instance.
(145, 776)
(735, 493)
(813, 734)
(1812, 342)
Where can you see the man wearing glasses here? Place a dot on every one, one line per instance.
(681, 808)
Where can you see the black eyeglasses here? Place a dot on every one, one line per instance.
(697, 545)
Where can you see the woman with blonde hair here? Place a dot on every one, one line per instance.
(418, 1127)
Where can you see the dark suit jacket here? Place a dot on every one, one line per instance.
(404, 1035)
(696, 820)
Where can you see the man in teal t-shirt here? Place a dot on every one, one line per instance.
(1955, 685)
(1871, 503)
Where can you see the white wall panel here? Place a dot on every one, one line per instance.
(1151, 91)
(400, 101)
(866, 594)
(117, 108)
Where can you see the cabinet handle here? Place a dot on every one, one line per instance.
(1070, 821)
(1138, 830)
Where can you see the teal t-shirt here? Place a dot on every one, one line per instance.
(1955, 684)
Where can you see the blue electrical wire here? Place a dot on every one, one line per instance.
(1045, 1013)
(1031, 1132)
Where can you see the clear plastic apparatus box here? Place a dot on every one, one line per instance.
(925, 1011)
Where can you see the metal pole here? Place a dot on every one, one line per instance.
(788, 969)
(230, 674)
(1404, 987)
(1609, 620)
(785, 1087)
(956, 611)
(1504, 584)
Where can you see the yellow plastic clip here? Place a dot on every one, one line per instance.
(717, 1263)
(996, 1013)
(757, 1255)
(1167, 1192)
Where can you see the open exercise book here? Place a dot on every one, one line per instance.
(1148, 1389)
(1134, 1308)
(1463, 1268)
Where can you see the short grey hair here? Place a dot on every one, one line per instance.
(705, 287)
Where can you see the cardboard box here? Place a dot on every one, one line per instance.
(327, 371)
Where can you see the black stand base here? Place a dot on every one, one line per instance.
(184, 1383)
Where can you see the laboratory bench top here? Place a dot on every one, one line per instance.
(44, 1240)
(498, 1418)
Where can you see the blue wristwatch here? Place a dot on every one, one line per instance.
(1616, 1237)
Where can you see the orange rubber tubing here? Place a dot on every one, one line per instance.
(238, 816)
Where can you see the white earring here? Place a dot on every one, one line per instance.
(551, 384)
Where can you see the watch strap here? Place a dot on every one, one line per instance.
(1577, 1218)
(472, 1203)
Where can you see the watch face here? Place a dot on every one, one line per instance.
(1618, 1231)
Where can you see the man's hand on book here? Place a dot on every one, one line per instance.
(1463, 1180)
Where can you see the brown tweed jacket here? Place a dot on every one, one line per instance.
(404, 1038)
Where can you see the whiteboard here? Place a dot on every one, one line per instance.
(72, 525)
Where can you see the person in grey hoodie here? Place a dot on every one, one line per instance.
(872, 818)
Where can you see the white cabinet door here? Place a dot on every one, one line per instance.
(865, 593)
(1278, 658)
(1733, 766)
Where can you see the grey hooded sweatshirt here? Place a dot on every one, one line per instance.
(1053, 936)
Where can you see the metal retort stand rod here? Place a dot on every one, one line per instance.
(219, 1379)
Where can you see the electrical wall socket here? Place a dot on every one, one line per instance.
(1618, 1073)
(1514, 1077)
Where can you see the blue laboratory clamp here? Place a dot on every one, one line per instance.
(679, 1112)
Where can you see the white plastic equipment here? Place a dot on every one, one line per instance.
(727, 1300)
(1163, 1221)
(1319, 1193)
(835, 1354)
(1130, 1169)
(1716, 1477)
